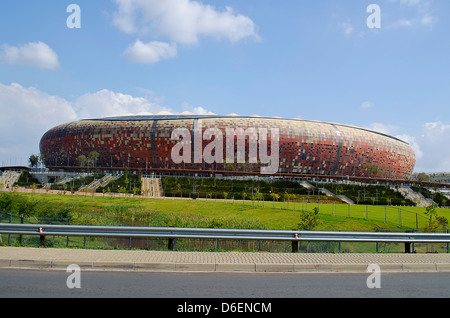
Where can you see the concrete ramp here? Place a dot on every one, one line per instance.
(151, 187)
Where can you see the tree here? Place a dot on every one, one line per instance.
(422, 177)
(42, 159)
(34, 161)
(275, 196)
(309, 220)
(92, 158)
(435, 220)
(82, 160)
(33, 188)
(123, 190)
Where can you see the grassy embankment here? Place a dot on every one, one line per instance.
(110, 210)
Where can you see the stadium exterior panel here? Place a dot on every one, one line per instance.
(227, 144)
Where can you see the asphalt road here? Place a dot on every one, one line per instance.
(15, 283)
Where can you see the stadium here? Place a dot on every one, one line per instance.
(227, 145)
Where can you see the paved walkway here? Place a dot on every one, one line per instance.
(141, 260)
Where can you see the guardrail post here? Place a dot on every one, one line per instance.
(171, 244)
(20, 237)
(9, 236)
(407, 247)
(42, 240)
(376, 242)
(67, 239)
(295, 243)
(294, 246)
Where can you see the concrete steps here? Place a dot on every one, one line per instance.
(151, 187)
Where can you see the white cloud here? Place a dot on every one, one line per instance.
(403, 23)
(27, 113)
(434, 155)
(34, 54)
(383, 128)
(198, 110)
(410, 2)
(412, 141)
(182, 21)
(427, 20)
(149, 53)
(436, 132)
(107, 103)
(418, 11)
(347, 28)
(367, 105)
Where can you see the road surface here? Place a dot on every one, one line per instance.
(32, 283)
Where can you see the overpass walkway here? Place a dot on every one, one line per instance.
(144, 260)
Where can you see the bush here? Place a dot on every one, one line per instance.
(23, 206)
(309, 220)
(127, 183)
(26, 180)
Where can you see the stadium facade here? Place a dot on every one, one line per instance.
(228, 145)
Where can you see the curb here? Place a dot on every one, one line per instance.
(221, 267)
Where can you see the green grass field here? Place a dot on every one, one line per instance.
(107, 210)
(272, 215)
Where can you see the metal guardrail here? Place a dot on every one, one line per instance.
(209, 233)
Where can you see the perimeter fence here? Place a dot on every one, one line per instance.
(400, 215)
(208, 244)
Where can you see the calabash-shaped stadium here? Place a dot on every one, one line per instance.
(231, 144)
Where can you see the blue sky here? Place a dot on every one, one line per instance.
(314, 60)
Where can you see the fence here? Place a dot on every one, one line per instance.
(399, 215)
(295, 237)
(18, 219)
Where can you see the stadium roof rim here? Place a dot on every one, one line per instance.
(193, 116)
